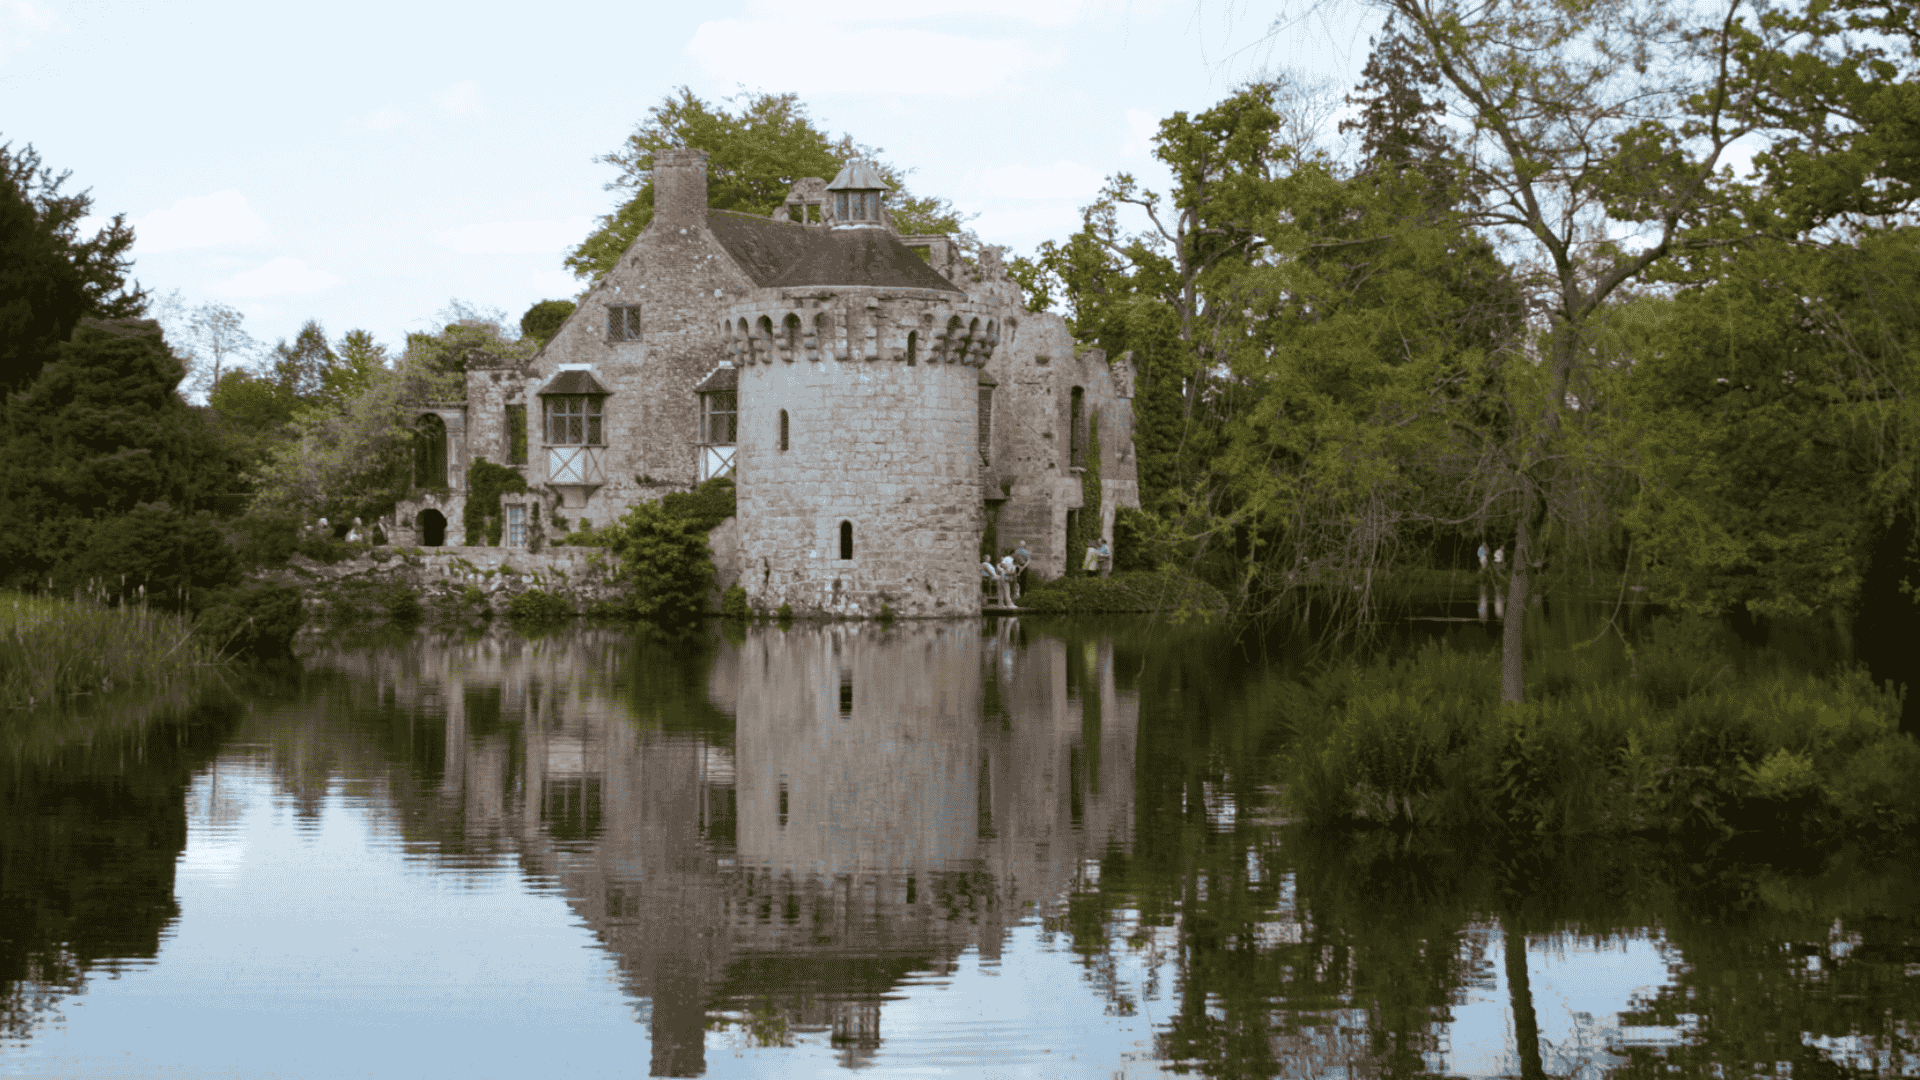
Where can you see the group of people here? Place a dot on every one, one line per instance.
(1006, 579)
(1499, 556)
(1099, 558)
(357, 534)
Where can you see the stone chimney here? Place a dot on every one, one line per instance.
(680, 188)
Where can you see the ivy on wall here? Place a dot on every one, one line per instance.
(486, 482)
(1086, 530)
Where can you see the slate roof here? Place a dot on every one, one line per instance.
(763, 247)
(573, 382)
(788, 253)
(858, 175)
(862, 257)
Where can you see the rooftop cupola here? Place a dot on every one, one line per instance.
(859, 195)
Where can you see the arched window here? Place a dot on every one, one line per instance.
(846, 540)
(793, 331)
(783, 429)
(913, 345)
(1077, 429)
(430, 452)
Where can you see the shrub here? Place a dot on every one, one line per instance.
(1676, 744)
(664, 562)
(539, 606)
(733, 603)
(784, 615)
(707, 506)
(257, 620)
(1168, 591)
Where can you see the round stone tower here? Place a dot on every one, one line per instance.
(858, 462)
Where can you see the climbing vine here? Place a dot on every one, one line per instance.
(486, 482)
(1086, 532)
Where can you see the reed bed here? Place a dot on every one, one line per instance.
(54, 652)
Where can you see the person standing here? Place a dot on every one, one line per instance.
(1106, 557)
(1009, 576)
(1483, 556)
(1021, 557)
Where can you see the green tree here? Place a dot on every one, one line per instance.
(756, 152)
(544, 319)
(51, 277)
(1577, 122)
(102, 434)
(301, 369)
(469, 337)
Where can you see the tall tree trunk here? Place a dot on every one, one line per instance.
(1513, 683)
(1526, 1025)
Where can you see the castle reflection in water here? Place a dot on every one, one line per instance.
(835, 809)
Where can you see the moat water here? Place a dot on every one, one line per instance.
(969, 849)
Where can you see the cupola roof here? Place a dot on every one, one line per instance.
(858, 175)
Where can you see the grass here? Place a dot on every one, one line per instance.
(54, 651)
(1677, 733)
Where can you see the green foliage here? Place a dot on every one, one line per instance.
(756, 152)
(663, 561)
(1168, 591)
(1142, 540)
(1775, 435)
(55, 650)
(784, 616)
(50, 276)
(486, 482)
(733, 603)
(706, 506)
(544, 319)
(354, 459)
(538, 606)
(256, 620)
(1086, 532)
(1668, 736)
(470, 338)
(99, 436)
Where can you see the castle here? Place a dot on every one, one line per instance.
(888, 411)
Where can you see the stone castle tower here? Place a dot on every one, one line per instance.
(858, 469)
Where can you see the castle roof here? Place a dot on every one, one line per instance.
(858, 175)
(780, 253)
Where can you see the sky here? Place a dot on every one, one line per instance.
(366, 163)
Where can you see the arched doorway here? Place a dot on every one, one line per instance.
(430, 453)
(432, 525)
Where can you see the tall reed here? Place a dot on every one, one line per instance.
(54, 651)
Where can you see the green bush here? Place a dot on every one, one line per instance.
(663, 561)
(733, 603)
(257, 620)
(1665, 738)
(707, 506)
(539, 606)
(1167, 591)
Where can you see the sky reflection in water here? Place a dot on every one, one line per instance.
(928, 850)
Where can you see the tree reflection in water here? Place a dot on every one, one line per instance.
(772, 834)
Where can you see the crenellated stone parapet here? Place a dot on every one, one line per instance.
(847, 324)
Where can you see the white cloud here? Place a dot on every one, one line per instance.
(517, 237)
(462, 99)
(1142, 126)
(1060, 180)
(385, 118)
(1044, 12)
(24, 21)
(813, 57)
(200, 221)
(284, 276)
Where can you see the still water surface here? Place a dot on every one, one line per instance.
(1050, 850)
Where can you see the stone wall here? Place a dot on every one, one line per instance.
(886, 445)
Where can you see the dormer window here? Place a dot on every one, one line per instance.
(572, 408)
(859, 196)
